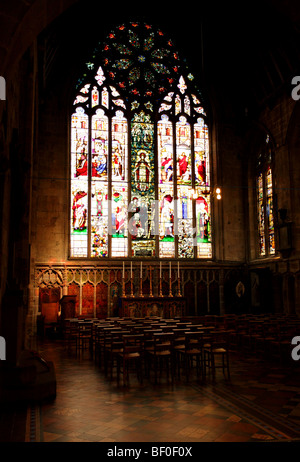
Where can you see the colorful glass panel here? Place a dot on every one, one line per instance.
(187, 105)
(165, 150)
(203, 220)
(183, 152)
(79, 218)
(119, 231)
(264, 200)
(115, 213)
(95, 97)
(201, 149)
(99, 145)
(261, 215)
(105, 98)
(139, 55)
(177, 105)
(166, 223)
(119, 147)
(142, 185)
(269, 211)
(79, 183)
(79, 143)
(99, 219)
(119, 239)
(185, 222)
(166, 188)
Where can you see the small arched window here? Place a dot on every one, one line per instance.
(140, 163)
(264, 200)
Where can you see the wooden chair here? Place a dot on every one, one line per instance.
(130, 354)
(72, 334)
(103, 338)
(107, 336)
(66, 330)
(161, 356)
(98, 340)
(178, 344)
(192, 353)
(84, 335)
(114, 349)
(218, 347)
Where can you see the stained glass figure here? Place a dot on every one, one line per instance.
(119, 240)
(201, 147)
(79, 143)
(142, 184)
(185, 222)
(177, 105)
(99, 219)
(119, 147)
(79, 218)
(183, 150)
(99, 145)
(165, 150)
(203, 218)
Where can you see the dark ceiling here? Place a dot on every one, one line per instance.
(248, 50)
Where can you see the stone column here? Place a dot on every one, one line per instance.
(31, 318)
(12, 324)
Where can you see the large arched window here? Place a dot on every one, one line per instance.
(140, 165)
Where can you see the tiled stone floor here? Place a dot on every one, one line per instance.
(260, 403)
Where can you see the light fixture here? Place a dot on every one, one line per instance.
(218, 193)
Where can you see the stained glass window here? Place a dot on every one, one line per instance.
(264, 201)
(140, 160)
(142, 185)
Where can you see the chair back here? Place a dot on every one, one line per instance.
(219, 339)
(133, 343)
(163, 342)
(194, 341)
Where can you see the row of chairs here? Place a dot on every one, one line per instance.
(269, 337)
(168, 347)
(110, 342)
